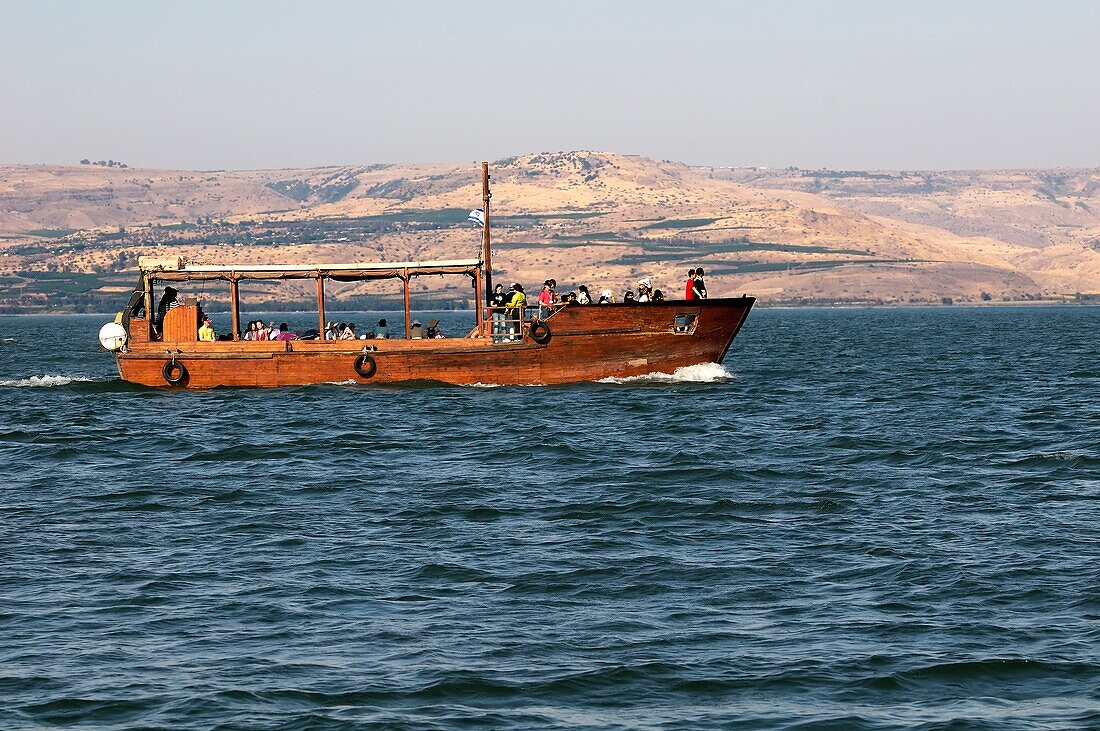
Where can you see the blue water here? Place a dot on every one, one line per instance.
(879, 519)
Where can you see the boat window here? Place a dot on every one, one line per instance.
(684, 323)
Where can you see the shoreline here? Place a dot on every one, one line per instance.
(1049, 304)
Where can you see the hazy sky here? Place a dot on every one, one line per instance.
(224, 84)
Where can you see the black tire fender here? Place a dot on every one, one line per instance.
(174, 372)
(540, 332)
(365, 366)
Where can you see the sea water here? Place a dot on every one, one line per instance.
(862, 519)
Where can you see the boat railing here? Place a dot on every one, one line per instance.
(505, 324)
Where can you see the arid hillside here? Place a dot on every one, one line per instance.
(70, 235)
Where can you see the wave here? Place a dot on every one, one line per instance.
(44, 381)
(699, 373)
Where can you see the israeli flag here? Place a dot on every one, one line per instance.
(477, 216)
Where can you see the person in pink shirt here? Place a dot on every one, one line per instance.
(284, 333)
(546, 300)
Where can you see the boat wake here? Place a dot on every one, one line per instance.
(44, 381)
(700, 373)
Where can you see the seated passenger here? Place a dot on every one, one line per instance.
(645, 290)
(658, 296)
(284, 333)
(261, 331)
(607, 297)
(628, 297)
(349, 332)
(330, 331)
(433, 329)
(416, 332)
(583, 297)
(383, 331)
(206, 332)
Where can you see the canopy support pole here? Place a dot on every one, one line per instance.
(235, 307)
(321, 305)
(479, 311)
(408, 312)
(150, 316)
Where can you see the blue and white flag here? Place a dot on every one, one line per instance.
(477, 216)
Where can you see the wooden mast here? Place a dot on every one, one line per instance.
(321, 304)
(486, 247)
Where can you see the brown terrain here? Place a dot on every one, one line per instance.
(70, 235)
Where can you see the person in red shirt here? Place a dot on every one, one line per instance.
(689, 294)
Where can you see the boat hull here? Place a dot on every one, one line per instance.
(585, 344)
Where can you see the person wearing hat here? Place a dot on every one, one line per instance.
(206, 332)
(416, 331)
(433, 329)
(546, 299)
(330, 330)
(645, 290)
(516, 304)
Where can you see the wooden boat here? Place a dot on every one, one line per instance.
(575, 343)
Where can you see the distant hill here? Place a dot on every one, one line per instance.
(70, 235)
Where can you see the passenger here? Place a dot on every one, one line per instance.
(370, 335)
(383, 331)
(628, 297)
(274, 332)
(583, 298)
(497, 301)
(570, 298)
(206, 332)
(433, 329)
(416, 332)
(700, 285)
(249, 331)
(168, 301)
(516, 304)
(689, 292)
(285, 333)
(349, 332)
(658, 296)
(330, 330)
(645, 290)
(607, 297)
(261, 331)
(546, 300)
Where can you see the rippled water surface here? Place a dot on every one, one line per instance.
(878, 519)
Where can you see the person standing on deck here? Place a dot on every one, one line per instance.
(168, 302)
(700, 285)
(546, 300)
(497, 301)
(515, 312)
(689, 292)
